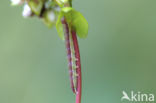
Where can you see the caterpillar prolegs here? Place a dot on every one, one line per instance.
(73, 60)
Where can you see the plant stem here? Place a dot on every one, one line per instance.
(78, 70)
(77, 56)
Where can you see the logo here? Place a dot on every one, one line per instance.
(137, 97)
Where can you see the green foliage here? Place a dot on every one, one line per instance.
(75, 20)
(36, 6)
(59, 26)
(80, 24)
(61, 9)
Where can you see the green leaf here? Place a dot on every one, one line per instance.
(67, 13)
(80, 24)
(59, 26)
(36, 6)
(64, 1)
(77, 21)
(67, 9)
(59, 3)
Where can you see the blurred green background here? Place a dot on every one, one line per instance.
(119, 54)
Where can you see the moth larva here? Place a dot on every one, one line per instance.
(71, 57)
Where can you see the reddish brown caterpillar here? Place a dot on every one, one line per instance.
(71, 57)
(74, 62)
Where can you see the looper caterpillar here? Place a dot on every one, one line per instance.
(69, 24)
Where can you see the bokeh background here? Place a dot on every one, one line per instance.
(119, 54)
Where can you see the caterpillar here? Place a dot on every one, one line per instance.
(74, 62)
(71, 57)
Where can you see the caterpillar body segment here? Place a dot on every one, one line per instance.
(71, 57)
